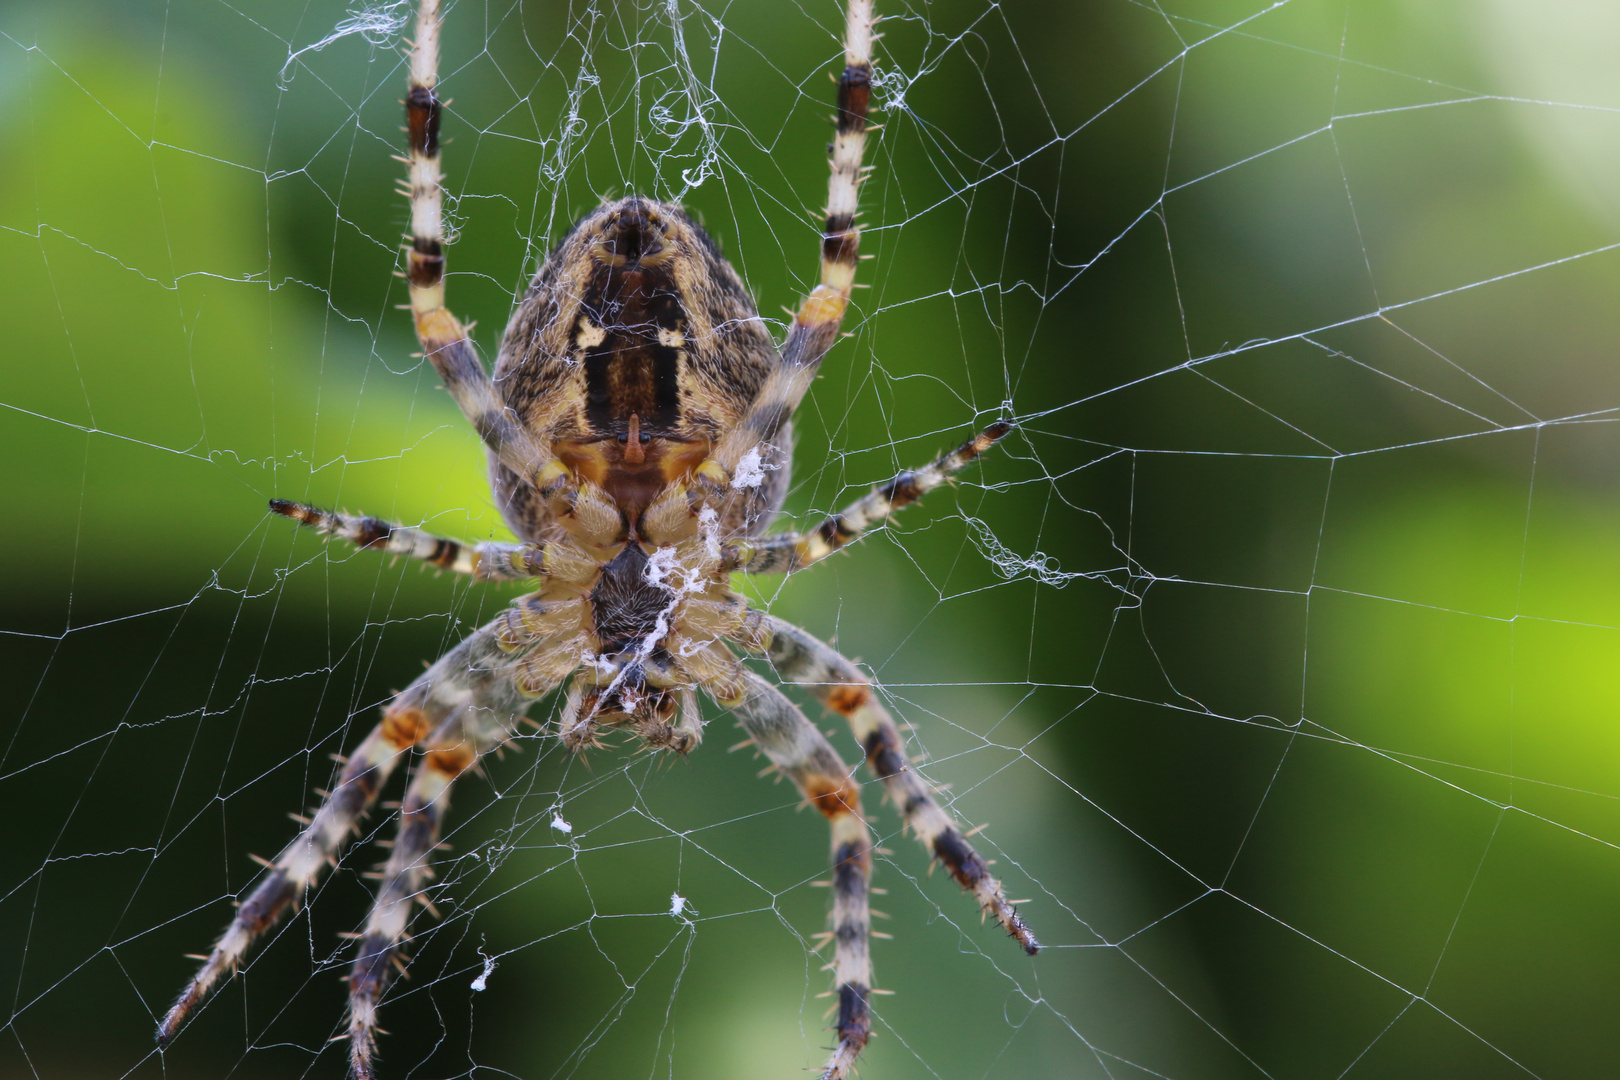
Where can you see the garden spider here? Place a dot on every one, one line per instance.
(638, 427)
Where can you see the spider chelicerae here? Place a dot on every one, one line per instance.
(638, 427)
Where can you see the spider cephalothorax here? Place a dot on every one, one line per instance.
(638, 426)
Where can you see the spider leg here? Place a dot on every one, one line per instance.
(839, 684)
(301, 862)
(802, 753)
(788, 552)
(471, 670)
(487, 561)
(484, 691)
(444, 340)
(815, 326)
(485, 722)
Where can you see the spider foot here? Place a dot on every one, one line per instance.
(367, 980)
(404, 876)
(262, 907)
(973, 874)
(854, 1031)
(363, 1043)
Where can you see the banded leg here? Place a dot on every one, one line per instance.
(839, 684)
(444, 340)
(454, 748)
(789, 552)
(487, 561)
(815, 326)
(365, 772)
(465, 671)
(802, 753)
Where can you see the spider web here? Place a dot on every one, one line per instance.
(1273, 651)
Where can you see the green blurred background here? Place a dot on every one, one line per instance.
(1276, 650)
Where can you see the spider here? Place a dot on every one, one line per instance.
(638, 427)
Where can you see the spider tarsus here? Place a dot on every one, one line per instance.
(172, 1020)
(1017, 928)
(307, 515)
(360, 1055)
(992, 435)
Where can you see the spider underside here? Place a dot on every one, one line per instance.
(638, 429)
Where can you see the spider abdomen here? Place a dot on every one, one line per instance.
(634, 349)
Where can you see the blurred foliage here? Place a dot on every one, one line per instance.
(1303, 748)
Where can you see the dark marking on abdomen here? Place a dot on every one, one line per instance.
(632, 372)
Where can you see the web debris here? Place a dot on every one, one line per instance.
(377, 23)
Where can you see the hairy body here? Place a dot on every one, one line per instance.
(638, 428)
(636, 325)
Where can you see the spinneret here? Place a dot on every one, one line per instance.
(638, 429)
